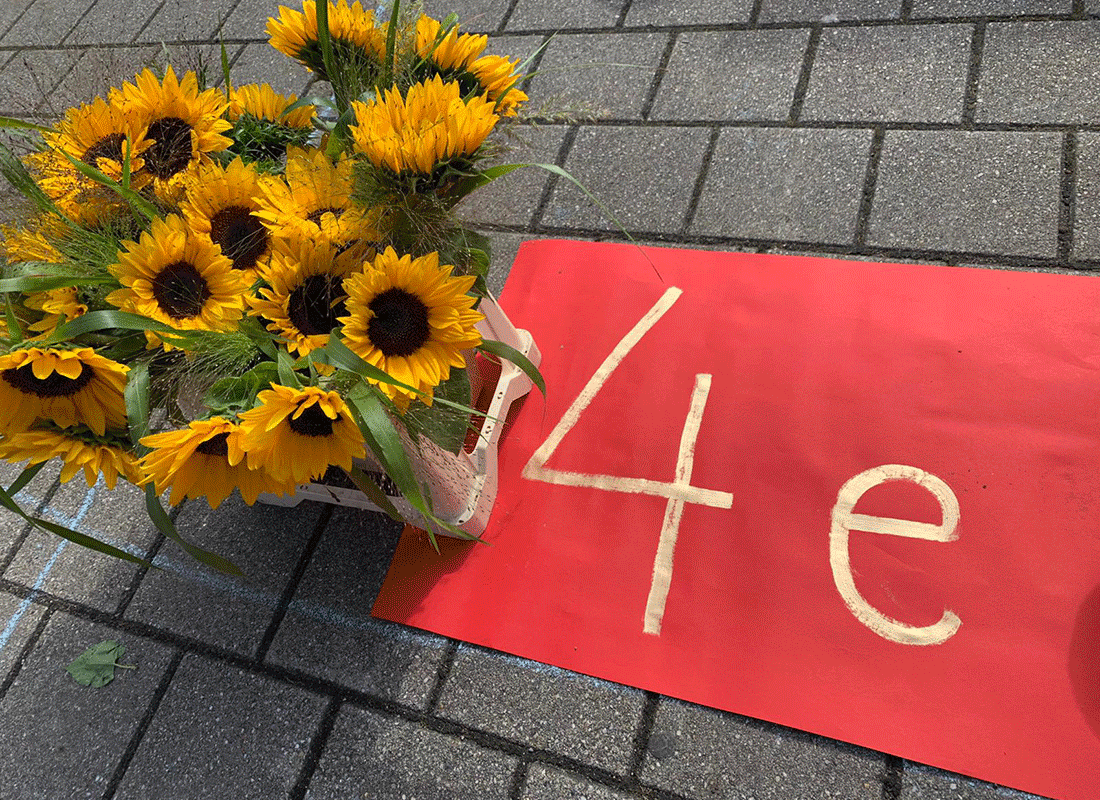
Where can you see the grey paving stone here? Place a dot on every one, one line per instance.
(1092, 7)
(112, 22)
(1086, 237)
(734, 75)
(898, 73)
(67, 570)
(191, 599)
(262, 63)
(960, 8)
(29, 498)
(328, 630)
(45, 22)
(539, 14)
(547, 783)
(828, 10)
(505, 248)
(249, 19)
(789, 184)
(1040, 72)
(644, 176)
(991, 192)
(588, 719)
(660, 12)
(223, 732)
(513, 198)
(595, 75)
(10, 12)
(475, 16)
(18, 619)
(63, 740)
(919, 782)
(185, 20)
(711, 755)
(29, 78)
(370, 755)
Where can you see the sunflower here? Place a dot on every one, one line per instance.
(306, 294)
(260, 101)
(179, 279)
(184, 124)
(205, 459)
(429, 127)
(447, 51)
(69, 387)
(78, 448)
(220, 206)
(314, 200)
(57, 306)
(498, 79)
(410, 318)
(100, 134)
(23, 244)
(354, 35)
(456, 58)
(295, 434)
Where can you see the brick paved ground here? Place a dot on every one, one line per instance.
(951, 131)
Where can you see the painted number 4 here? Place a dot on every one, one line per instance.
(680, 491)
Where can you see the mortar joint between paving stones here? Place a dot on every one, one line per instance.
(839, 125)
(291, 587)
(507, 17)
(25, 531)
(892, 778)
(536, 62)
(1068, 195)
(143, 726)
(803, 84)
(754, 14)
(24, 652)
(906, 10)
(642, 734)
(548, 190)
(446, 664)
(973, 76)
(700, 181)
(519, 780)
(658, 76)
(140, 573)
(870, 183)
(316, 747)
(621, 21)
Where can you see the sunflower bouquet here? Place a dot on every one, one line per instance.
(231, 289)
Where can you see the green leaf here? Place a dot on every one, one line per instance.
(516, 357)
(96, 666)
(16, 174)
(324, 38)
(287, 375)
(27, 284)
(15, 333)
(136, 396)
(225, 69)
(448, 430)
(160, 518)
(368, 487)
(238, 393)
(11, 122)
(25, 477)
(136, 201)
(391, 41)
(103, 320)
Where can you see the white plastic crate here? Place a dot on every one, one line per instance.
(463, 486)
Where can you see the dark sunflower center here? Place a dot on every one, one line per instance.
(312, 422)
(214, 446)
(315, 217)
(314, 306)
(109, 146)
(180, 290)
(171, 149)
(54, 384)
(399, 326)
(242, 237)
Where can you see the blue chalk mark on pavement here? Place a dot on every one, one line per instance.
(85, 505)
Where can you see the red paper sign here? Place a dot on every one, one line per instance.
(857, 499)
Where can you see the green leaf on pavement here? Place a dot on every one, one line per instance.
(96, 666)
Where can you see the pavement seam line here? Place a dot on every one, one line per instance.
(507, 18)
(442, 674)
(519, 780)
(642, 734)
(24, 653)
(973, 76)
(892, 778)
(870, 183)
(148, 20)
(548, 190)
(1067, 207)
(316, 750)
(279, 612)
(803, 84)
(658, 77)
(700, 181)
(143, 725)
